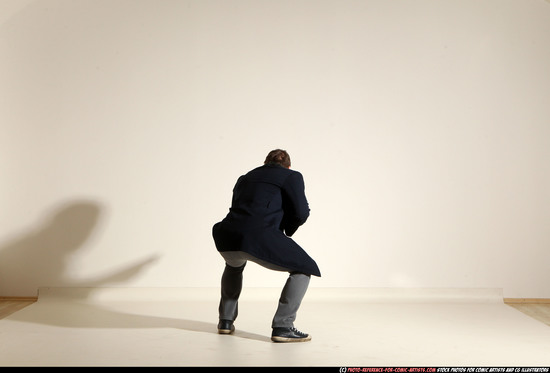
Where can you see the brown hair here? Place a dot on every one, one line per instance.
(278, 156)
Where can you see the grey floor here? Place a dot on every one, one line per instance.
(350, 327)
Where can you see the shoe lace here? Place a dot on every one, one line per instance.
(298, 332)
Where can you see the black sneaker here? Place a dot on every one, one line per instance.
(226, 327)
(289, 335)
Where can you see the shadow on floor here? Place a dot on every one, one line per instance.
(75, 314)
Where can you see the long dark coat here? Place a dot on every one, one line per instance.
(268, 206)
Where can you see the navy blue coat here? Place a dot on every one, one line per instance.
(268, 206)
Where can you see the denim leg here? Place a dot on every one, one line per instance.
(290, 300)
(231, 286)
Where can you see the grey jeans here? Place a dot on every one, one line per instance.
(231, 285)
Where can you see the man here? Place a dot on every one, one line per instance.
(268, 206)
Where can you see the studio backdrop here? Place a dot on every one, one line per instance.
(422, 130)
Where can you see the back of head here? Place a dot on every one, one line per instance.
(278, 156)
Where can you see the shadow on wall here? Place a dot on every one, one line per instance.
(41, 258)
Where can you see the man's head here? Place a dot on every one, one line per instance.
(278, 156)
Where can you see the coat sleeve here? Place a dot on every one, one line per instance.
(295, 205)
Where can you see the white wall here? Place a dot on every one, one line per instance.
(422, 129)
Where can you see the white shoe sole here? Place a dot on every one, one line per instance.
(284, 339)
